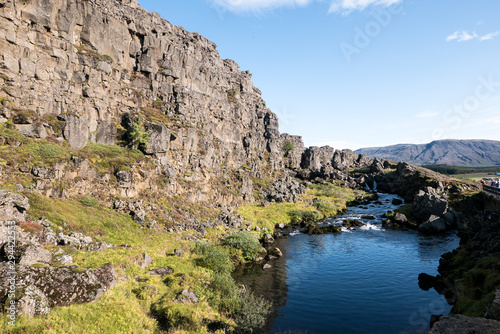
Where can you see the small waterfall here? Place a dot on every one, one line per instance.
(374, 186)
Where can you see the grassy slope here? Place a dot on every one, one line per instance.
(124, 309)
(121, 310)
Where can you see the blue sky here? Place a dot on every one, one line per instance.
(361, 73)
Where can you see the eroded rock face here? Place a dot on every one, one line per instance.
(91, 62)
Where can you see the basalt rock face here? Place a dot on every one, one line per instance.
(90, 63)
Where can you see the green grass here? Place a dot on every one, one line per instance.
(124, 309)
(334, 199)
(476, 279)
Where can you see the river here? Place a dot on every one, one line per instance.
(360, 281)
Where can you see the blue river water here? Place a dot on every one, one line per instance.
(360, 281)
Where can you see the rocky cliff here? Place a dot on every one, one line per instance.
(105, 72)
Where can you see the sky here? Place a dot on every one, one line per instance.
(361, 73)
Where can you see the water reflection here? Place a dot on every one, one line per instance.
(363, 281)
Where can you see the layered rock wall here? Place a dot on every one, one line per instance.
(107, 71)
(91, 63)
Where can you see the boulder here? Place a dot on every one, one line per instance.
(433, 225)
(66, 240)
(316, 229)
(61, 286)
(280, 225)
(31, 302)
(65, 259)
(268, 239)
(397, 201)
(29, 254)
(426, 282)
(179, 252)
(12, 206)
(144, 260)
(400, 219)
(429, 202)
(161, 272)
(352, 223)
(186, 297)
(274, 253)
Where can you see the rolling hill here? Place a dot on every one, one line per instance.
(470, 153)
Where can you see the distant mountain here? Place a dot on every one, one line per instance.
(470, 153)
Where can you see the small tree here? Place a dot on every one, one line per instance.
(138, 136)
(288, 147)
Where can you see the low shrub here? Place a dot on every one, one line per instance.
(299, 216)
(252, 314)
(89, 201)
(223, 293)
(213, 257)
(246, 242)
(328, 209)
(31, 227)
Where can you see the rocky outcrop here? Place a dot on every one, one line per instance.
(39, 288)
(293, 148)
(459, 324)
(60, 286)
(429, 202)
(12, 206)
(314, 158)
(463, 273)
(346, 159)
(408, 180)
(284, 190)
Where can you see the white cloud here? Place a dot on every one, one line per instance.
(347, 6)
(452, 36)
(464, 36)
(489, 36)
(257, 5)
(342, 6)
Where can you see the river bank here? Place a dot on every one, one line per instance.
(364, 280)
